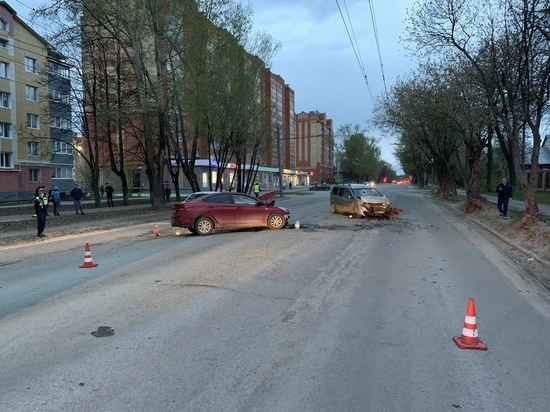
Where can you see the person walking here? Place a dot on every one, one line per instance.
(102, 190)
(289, 185)
(167, 194)
(256, 189)
(41, 210)
(504, 192)
(56, 198)
(109, 192)
(76, 194)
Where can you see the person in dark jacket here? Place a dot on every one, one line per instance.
(167, 194)
(109, 191)
(41, 210)
(504, 192)
(76, 194)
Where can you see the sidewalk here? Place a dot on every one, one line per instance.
(518, 205)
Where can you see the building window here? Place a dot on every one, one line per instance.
(33, 148)
(33, 121)
(5, 100)
(5, 160)
(31, 65)
(59, 96)
(59, 70)
(5, 130)
(4, 69)
(62, 173)
(34, 175)
(60, 123)
(31, 93)
(62, 148)
(4, 25)
(4, 43)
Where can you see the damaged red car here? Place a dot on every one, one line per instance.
(202, 212)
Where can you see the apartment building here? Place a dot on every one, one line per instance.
(33, 150)
(315, 146)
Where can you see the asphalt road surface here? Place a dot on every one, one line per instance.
(339, 315)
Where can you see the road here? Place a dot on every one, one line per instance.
(339, 315)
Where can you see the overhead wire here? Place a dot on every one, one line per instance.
(377, 40)
(355, 47)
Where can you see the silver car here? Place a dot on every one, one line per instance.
(359, 201)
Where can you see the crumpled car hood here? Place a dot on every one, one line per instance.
(268, 197)
(375, 200)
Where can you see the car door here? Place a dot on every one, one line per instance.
(247, 211)
(344, 200)
(221, 208)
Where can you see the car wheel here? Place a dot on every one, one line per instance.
(333, 207)
(204, 226)
(275, 221)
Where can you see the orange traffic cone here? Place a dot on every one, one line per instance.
(469, 338)
(88, 263)
(156, 230)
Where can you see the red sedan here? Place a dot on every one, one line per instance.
(203, 212)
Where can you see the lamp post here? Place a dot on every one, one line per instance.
(279, 160)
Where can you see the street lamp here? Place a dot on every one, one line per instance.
(280, 162)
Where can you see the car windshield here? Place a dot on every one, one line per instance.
(366, 191)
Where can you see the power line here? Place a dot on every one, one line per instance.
(355, 48)
(377, 40)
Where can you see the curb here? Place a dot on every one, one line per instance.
(507, 241)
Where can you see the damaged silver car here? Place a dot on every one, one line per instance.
(361, 201)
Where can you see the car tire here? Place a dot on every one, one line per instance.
(333, 208)
(275, 221)
(204, 226)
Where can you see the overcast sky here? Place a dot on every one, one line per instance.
(317, 59)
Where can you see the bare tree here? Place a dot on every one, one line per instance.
(504, 43)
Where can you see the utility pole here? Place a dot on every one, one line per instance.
(280, 160)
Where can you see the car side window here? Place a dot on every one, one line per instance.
(223, 198)
(244, 200)
(345, 192)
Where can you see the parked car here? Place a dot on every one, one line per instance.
(359, 200)
(202, 212)
(320, 186)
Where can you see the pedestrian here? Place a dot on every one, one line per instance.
(109, 192)
(41, 210)
(76, 194)
(102, 190)
(289, 185)
(256, 189)
(56, 198)
(504, 191)
(167, 193)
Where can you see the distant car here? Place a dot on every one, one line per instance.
(320, 186)
(360, 201)
(202, 212)
(372, 183)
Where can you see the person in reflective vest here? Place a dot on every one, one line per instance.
(41, 209)
(256, 189)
